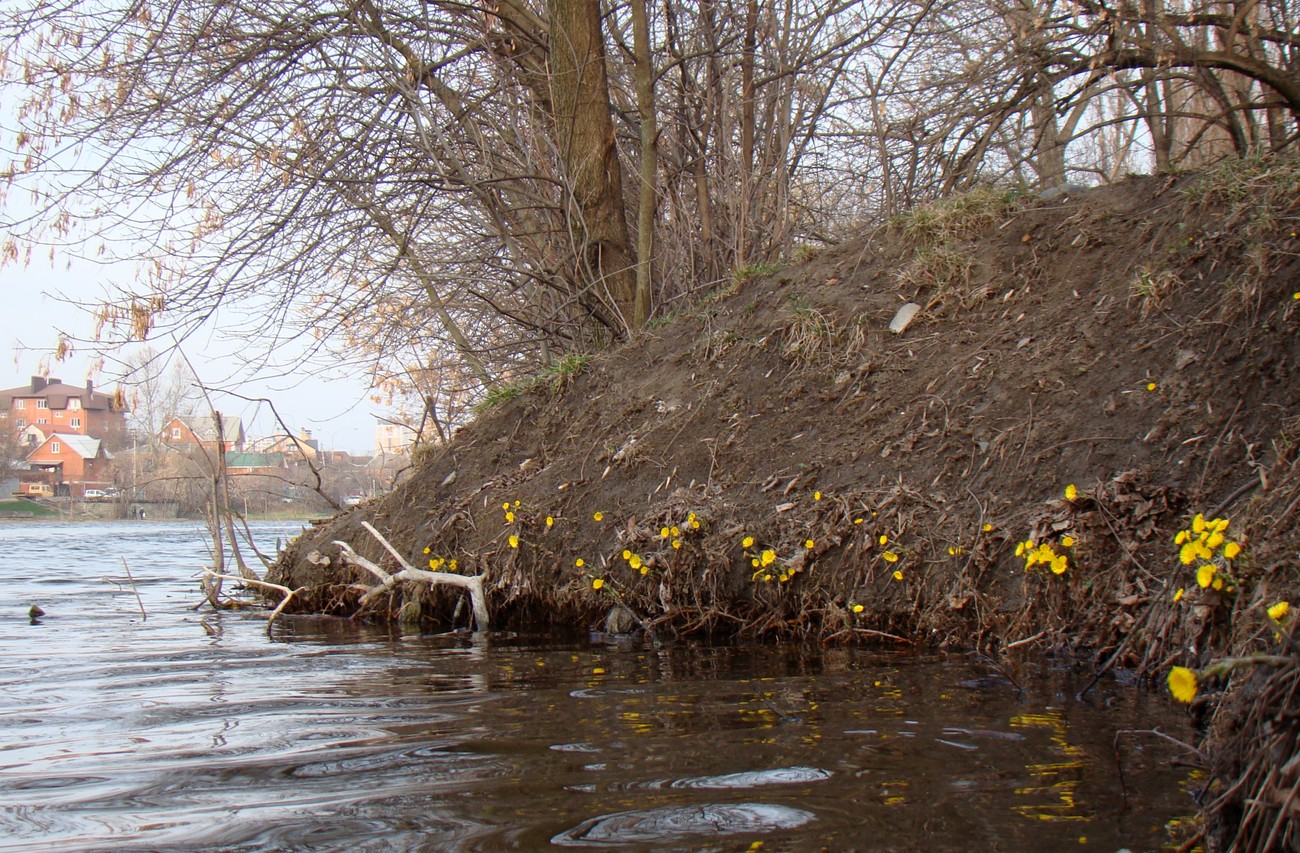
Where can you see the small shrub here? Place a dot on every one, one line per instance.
(937, 269)
(554, 376)
(758, 269)
(957, 217)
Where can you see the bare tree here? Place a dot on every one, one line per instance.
(469, 188)
(160, 389)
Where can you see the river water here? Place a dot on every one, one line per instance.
(192, 730)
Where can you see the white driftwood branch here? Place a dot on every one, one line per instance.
(387, 545)
(279, 608)
(472, 583)
(361, 562)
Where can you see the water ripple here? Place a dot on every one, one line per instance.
(679, 823)
(191, 731)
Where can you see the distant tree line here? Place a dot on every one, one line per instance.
(454, 193)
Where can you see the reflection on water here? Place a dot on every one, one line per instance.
(190, 730)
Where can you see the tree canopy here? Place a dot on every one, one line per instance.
(451, 193)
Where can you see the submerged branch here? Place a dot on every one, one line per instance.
(209, 574)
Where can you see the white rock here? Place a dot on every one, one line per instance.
(903, 318)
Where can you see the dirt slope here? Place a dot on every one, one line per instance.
(1138, 341)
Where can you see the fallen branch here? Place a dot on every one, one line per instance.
(472, 583)
(865, 632)
(279, 608)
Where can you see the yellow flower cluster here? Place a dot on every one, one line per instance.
(510, 517)
(1205, 543)
(889, 555)
(767, 566)
(676, 534)
(436, 564)
(636, 562)
(1044, 554)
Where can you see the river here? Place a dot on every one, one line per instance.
(194, 730)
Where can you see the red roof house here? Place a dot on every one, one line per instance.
(56, 407)
(72, 463)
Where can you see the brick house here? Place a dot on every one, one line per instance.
(201, 431)
(56, 407)
(71, 464)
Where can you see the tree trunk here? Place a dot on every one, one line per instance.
(645, 102)
(585, 136)
(1049, 159)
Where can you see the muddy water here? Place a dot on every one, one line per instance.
(193, 731)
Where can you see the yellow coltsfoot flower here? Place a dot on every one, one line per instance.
(1182, 684)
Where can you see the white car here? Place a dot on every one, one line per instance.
(95, 494)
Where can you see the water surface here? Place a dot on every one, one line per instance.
(192, 730)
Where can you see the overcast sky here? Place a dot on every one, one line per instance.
(337, 409)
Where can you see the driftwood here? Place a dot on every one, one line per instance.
(472, 583)
(209, 574)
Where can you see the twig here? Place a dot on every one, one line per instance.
(370, 528)
(1024, 641)
(144, 617)
(867, 632)
(1283, 816)
(1236, 494)
(1175, 741)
